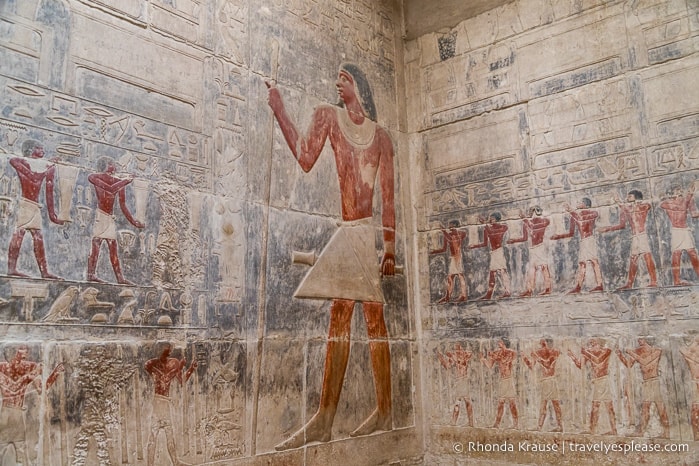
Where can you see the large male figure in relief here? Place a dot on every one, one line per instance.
(363, 151)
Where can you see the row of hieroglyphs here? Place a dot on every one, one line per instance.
(44, 303)
(367, 25)
(620, 385)
(189, 20)
(112, 403)
(495, 60)
(602, 133)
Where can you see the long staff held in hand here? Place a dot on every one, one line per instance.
(274, 62)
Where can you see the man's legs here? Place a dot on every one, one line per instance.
(13, 252)
(491, 286)
(650, 266)
(530, 281)
(450, 288)
(694, 259)
(579, 278)
(598, 275)
(559, 415)
(463, 296)
(92, 260)
(319, 427)
(499, 413)
(513, 411)
(633, 269)
(645, 418)
(542, 414)
(547, 280)
(612, 416)
(505, 280)
(677, 265)
(380, 355)
(594, 415)
(152, 443)
(40, 254)
(469, 410)
(114, 259)
(172, 447)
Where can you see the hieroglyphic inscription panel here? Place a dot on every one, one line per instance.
(470, 84)
(589, 57)
(167, 93)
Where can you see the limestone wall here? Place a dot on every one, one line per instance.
(588, 331)
(165, 328)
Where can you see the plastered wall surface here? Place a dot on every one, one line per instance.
(151, 207)
(487, 258)
(556, 220)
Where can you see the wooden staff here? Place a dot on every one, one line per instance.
(263, 267)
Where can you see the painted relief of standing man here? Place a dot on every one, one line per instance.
(547, 357)
(583, 219)
(32, 172)
(598, 356)
(108, 187)
(505, 358)
(363, 154)
(648, 358)
(635, 212)
(164, 369)
(493, 236)
(677, 205)
(534, 227)
(691, 357)
(453, 240)
(458, 360)
(17, 375)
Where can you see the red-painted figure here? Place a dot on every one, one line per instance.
(164, 369)
(676, 206)
(691, 357)
(547, 357)
(648, 358)
(32, 174)
(17, 374)
(493, 236)
(535, 228)
(458, 359)
(598, 356)
(363, 151)
(504, 357)
(453, 239)
(635, 212)
(584, 220)
(107, 188)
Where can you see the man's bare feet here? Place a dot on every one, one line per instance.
(374, 423)
(315, 430)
